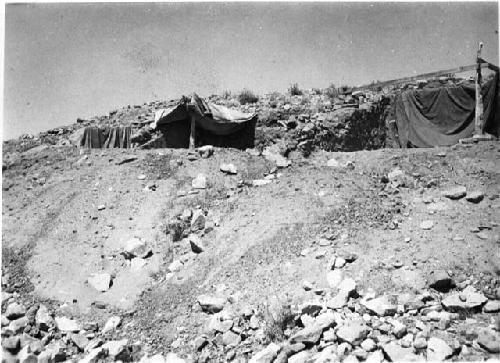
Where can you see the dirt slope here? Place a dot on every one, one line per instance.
(66, 217)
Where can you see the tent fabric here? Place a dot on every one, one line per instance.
(443, 116)
(217, 119)
(115, 137)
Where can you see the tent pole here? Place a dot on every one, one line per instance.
(479, 124)
(192, 135)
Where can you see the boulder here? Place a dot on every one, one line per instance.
(353, 332)
(266, 355)
(455, 193)
(111, 324)
(200, 182)
(116, 347)
(438, 350)
(136, 247)
(211, 304)
(67, 325)
(198, 220)
(14, 310)
(396, 353)
(334, 278)
(441, 281)
(309, 335)
(469, 298)
(43, 319)
(228, 169)
(474, 197)
(100, 281)
(175, 266)
(381, 306)
(492, 306)
(489, 340)
(196, 243)
(426, 225)
(231, 339)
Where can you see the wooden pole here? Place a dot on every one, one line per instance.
(192, 140)
(479, 122)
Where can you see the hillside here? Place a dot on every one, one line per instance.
(157, 255)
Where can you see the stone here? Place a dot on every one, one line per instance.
(455, 193)
(80, 341)
(308, 286)
(381, 306)
(196, 243)
(12, 344)
(43, 319)
(309, 335)
(18, 325)
(353, 332)
(397, 353)
(343, 349)
(67, 325)
(426, 225)
(136, 264)
(329, 336)
(375, 357)
(420, 343)
(14, 310)
(211, 304)
(200, 182)
(441, 281)
(141, 177)
(311, 307)
(489, 340)
(271, 154)
(492, 306)
(100, 281)
(474, 197)
(228, 169)
(260, 182)
(230, 339)
(198, 220)
(115, 347)
(199, 343)
(399, 329)
(333, 163)
(326, 320)
(339, 262)
(175, 266)
(111, 324)
(299, 357)
(369, 345)
(438, 350)
(469, 298)
(334, 278)
(136, 247)
(266, 355)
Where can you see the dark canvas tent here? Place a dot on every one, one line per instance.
(107, 137)
(215, 125)
(442, 116)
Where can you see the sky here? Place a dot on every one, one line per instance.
(64, 61)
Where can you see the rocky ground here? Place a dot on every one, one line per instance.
(226, 255)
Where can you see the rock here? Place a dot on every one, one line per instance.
(228, 169)
(271, 154)
(198, 220)
(95, 355)
(426, 225)
(115, 347)
(173, 358)
(43, 319)
(381, 306)
(369, 345)
(309, 335)
(260, 182)
(141, 177)
(196, 243)
(396, 353)
(353, 332)
(339, 262)
(441, 281)
(80, 341)
(199, 343)
(419, 343)
(469, 298)
(333, 163)
(329, 336)
(14, 310)
(100, 282)
(326, 320)
(211, 304)
(474, 197)
(311, 307)
(308, 286)
(438, 350)
(375, 357)
(18, 325)
(300, 357)
(26, 356)
(230, 339)
(267, 355)
(136, 264)
(254, 323)
(67, 325)
(5, 321)
(455, 193)
(492, 306)
(205, 151)
(136, 247)
(111, 324)
(175, 266)
(489, 340)
(399, 329)
(12, 344)
(126, 159)
(200, 182)
(334, 278)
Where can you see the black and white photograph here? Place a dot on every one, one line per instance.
(250, 182)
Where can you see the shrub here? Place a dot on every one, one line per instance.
(226, 94)
(247, 96)
(294, 90)
(331, 91)
(276, 322)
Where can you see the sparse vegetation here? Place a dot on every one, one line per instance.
(246, 96)
(276, 321)
(226, 94)
(331, 91)
(294, 90)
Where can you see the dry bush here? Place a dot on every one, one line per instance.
(277, 318)
(294, 90)
(247, 96)
(331, 91)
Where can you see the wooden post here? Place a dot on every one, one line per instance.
(479, 122)
(192, 140)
